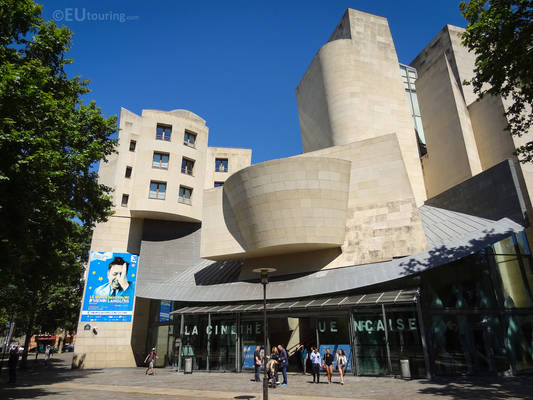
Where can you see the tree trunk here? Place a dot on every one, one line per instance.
(61, 341)
(29, 330)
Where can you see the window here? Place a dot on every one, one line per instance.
(185, 195)
(221, 164)
(128, 172)
(125, 198)
(160, 160)
(158, 190)
(217, 184)
(163, 132)
(187, 166)
(133, 143)
(189, 139)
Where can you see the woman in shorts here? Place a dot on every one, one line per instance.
(328, 364)
(342, 362)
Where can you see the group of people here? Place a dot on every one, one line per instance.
(278, 361)
(327, 363)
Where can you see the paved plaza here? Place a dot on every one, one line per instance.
(58, 381)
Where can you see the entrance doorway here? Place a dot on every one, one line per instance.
(291, 332)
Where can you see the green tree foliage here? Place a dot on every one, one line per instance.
(500, 33)
(49, 195)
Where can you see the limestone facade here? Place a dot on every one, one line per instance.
(353, 91)
(339, 206)
(351, 198)
(151, 149)
(464, 134)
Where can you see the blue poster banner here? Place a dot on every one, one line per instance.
(248, 357)
(164, 310)
(333, 349)
(110, 287)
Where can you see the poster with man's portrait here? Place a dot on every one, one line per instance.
(110, 287)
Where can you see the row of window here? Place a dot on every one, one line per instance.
(164, 132)
(160, 160)
(158, 191)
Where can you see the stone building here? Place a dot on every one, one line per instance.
(399, 233)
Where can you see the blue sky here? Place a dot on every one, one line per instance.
(234, 63)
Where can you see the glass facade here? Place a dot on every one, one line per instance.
(478, 311)
(473, 316)
(409, 76)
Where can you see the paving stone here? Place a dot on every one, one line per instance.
(57, 382)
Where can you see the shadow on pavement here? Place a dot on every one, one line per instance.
(37, 373)
(493, 388)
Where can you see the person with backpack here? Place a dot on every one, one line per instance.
(150, 358)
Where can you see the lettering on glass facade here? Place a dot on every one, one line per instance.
(395, 324)
(249, 328)
(224, 329)
(332, 326)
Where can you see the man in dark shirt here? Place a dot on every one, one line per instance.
(12, 364)
(283, 363)
(257, 362)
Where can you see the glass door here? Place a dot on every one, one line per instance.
(222, 343)
(370, 342)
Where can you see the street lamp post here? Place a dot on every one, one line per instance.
(264, 280)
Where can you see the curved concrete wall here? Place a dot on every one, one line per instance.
(353, 91)
(288, 204)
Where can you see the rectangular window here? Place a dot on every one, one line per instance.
(187, 166)
(160, 160)
(128, 172)
(125, 198)
(189, 139)
(185, 195)
(217, 184)
(163, 132)
(221, 164)
(133, 143)
(158, 190)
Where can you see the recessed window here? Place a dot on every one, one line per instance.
(185, 195)
(221, 164)
(133, 144)
(217, 184)
(125, 198)
(158, 190)
(128, 172)
(187, 166)
(189, 139)
(163, 132)
(160, 160)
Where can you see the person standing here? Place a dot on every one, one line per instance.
(150, 358)
(342, 363)
(12, 364)
(328, 363)
(316, 362)
(257, 363)
(303, 358)
(283, 363)
(46, 354)
(273, 365)
(299, 349)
